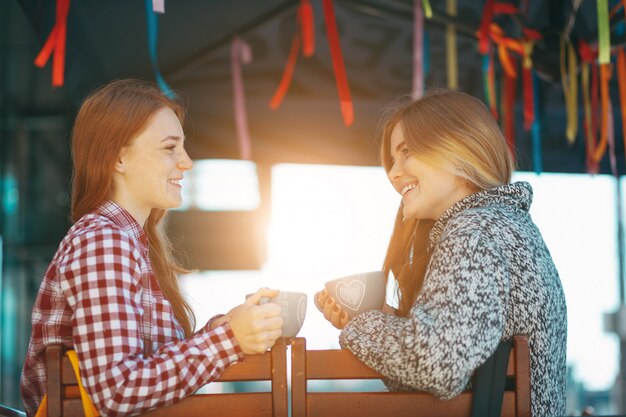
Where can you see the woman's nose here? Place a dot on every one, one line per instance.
(185, 163)
(395, 172)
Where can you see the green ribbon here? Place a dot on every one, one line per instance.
(428, 11)
(604, 32)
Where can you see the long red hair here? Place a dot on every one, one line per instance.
(109, 119)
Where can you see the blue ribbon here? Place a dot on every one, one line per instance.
(535, 129)
(153, 34)
(485, 59)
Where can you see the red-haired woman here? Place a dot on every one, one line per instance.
(111, 292)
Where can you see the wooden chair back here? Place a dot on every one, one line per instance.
(64, 397)
(341, 364)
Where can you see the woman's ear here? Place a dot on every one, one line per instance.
(119, 164)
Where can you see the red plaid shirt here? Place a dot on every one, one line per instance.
(100, 297)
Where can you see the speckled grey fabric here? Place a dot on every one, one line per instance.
(490, 277)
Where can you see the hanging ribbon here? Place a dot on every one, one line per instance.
(240, 52)
(604, 32)
(491, 79)
(485, 23)
(528, 88)
(451, 52)
(158, 6)
(307, 26)
(153, 34)
(605, 76)
(616, 9)
(595, 148)
(508, 104)
(56, 42)
(418, 51)
(592, 167)
(570, 88)
(285, 81)
(428, 11)
(307, 34)
(621, 81)
(535, 130)
(347, 109)
(611, 139)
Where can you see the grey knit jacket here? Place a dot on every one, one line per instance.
(490, 276)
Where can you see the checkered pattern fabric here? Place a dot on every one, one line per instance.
(100, 297)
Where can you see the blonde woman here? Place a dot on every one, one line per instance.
(471, 267)
(111, 291)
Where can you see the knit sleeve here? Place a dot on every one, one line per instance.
(454, 326)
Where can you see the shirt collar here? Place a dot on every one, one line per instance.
(518, 195)
(118, 215)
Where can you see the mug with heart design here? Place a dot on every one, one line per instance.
(358, 293)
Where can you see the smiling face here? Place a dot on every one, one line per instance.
(148, 172)
(426, 190)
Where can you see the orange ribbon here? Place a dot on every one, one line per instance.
(605, 76)
(596, 148)
(56, 43)
(347, 110)
(524, 48)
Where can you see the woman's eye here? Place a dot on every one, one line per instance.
(405, 151)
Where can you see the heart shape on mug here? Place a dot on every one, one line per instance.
(351, 294)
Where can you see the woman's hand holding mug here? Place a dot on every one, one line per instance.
(331, 309)
(256, 326)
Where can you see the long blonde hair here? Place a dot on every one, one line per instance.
(109, 119)
(442, 125)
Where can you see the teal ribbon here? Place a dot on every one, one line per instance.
(153, 35)
(426, 54)
(535, 129)
(485, 66)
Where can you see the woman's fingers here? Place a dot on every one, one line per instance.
(338, 317)
(328, 307)
(261, 294)
(320, 300)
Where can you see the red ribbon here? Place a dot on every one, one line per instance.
(505, 8)
(285, 81)
(307, 32)
(529, 107)
(56, 43)
(307, 26)
(347, 110)
(483, 35)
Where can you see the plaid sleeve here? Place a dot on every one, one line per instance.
(101, 278)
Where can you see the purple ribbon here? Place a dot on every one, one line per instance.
(158, 6)
(418, 50)
(240, 52)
